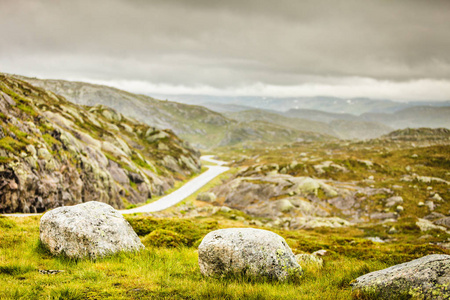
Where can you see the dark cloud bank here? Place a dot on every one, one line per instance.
(390, 49)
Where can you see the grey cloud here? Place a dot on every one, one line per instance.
(227, 43)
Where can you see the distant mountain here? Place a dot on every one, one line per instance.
(202, 127)
(281, 120)
(253, 132)
(344, 126)
(415, 117)
(358, 129)
(355, 106)
(317, 115)
(224, 108)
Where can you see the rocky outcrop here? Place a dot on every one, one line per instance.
(55, 153)
(273, 195)
(88, 230)
(248, 251)
(424, 278)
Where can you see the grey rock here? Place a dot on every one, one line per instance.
(430, 204)
(206, 197)
(437, 198)
(375, 239)
(383, 216)
(284, 205)
(434, 216)
(424, 278)
(426, 225)
(443, 222)
(315, 222)
(392, 201)
(225, 209)
(321, 252)
(88, 230)
(248, 251)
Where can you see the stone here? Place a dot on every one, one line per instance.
(392, 201)
(375, 239)
(393, 230)
(256, 223)
(425, 278)
(309, 260)
(315, 222)
(426, 225)
(321, 252)
(225, 209)
(383, 216)
(437, 198)
(88, 230)
(399, 209)
(206, 197)
(434, 216)
(284, 205)
(247, 251)
(443, 222)
(430, 205)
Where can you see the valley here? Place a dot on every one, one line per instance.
(368, 203)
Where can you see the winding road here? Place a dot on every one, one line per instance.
(185, 191)
(175, 197)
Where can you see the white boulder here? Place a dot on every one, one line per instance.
(91, 229)
(248, 251)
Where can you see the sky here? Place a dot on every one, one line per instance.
(397, 50)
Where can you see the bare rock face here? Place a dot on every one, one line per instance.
(91, 229)
(248, 251)
(425, 278)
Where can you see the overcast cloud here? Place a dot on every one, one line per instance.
(379, 49)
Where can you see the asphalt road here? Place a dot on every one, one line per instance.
(175, 197)
(185, 191)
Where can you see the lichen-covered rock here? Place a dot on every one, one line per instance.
(315, 222)
(206, 197)
(248, 251)
(426, 225)
(425, 278)
(443, 222)
(91, 230)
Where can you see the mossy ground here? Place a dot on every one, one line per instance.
(168, 268)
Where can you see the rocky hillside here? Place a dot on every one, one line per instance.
(55, 153)
(196, 124)
(418, 134)
(338, 184)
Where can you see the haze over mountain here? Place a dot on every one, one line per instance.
(354, 106)
(397, 50)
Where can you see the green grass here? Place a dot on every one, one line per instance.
(11, 145)
(168, 268)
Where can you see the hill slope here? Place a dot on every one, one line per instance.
(344, 126)
(54, 153)
(200, 126)
(191, 122)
